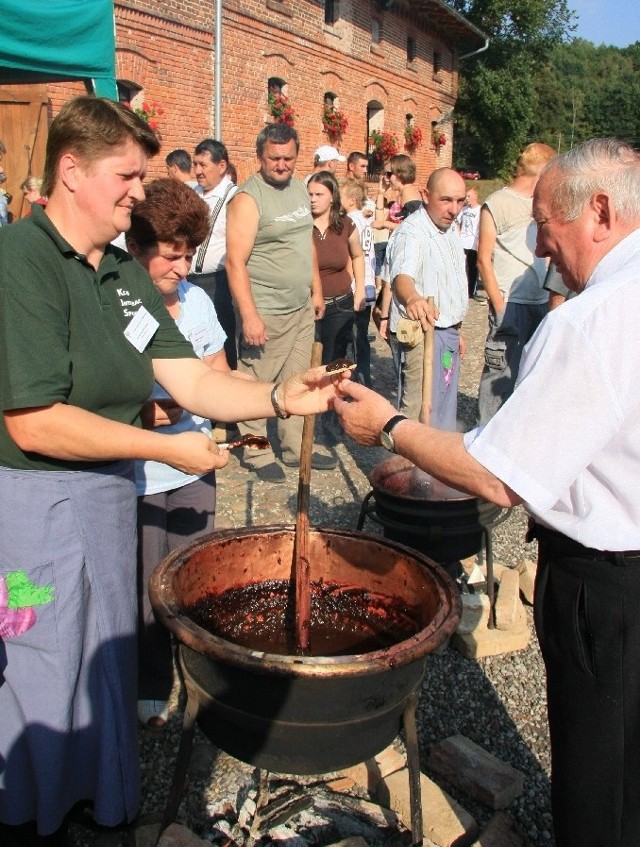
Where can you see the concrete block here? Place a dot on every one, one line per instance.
(508, 600)
(491, 642)
(475, 612)
(527, 570)
(444, 821)
(368, 774)
(498, 833)
(177, 835)
(476, 772)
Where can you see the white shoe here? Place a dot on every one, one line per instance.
(153, 713)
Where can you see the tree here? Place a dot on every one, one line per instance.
(497, 99)
(584, 91)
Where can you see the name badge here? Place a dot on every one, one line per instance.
(199, 337)
(140, 329)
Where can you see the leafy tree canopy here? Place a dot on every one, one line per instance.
(497, 97)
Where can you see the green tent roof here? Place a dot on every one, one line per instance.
(59, 39)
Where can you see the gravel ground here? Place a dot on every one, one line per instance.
(497, 702)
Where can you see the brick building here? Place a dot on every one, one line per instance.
(383, 63)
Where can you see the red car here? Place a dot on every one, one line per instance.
(469, 174)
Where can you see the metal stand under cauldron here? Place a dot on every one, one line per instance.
(442, 523)
(302, 714)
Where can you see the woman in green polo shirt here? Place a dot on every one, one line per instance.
(83, 334)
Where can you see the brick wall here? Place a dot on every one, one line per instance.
(166, 47)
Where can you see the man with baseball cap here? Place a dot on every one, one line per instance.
(325, 158)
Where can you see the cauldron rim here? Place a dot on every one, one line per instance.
(408, 650)
(398, 464)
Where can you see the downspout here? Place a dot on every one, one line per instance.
(217, 72)
(475, 52)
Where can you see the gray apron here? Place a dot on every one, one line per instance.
(68, 685)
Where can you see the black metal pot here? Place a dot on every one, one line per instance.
(416, 509)
(299, 714)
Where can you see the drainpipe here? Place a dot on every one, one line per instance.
(475, 52)
(217, 72)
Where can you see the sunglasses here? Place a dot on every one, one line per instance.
(388, 174)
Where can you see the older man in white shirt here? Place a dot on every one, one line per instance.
(426, 259)
(210, 163)
(566, 445)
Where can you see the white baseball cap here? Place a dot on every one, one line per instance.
(326, 153)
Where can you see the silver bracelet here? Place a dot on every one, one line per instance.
(277, 408)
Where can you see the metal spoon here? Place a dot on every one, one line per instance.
(254, 442)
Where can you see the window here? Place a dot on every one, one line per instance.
(375, 31)
(411, 49)
(330, 11)
(127, 90)
(275, 85)
(437, 63)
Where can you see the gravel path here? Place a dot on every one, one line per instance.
(497, 702)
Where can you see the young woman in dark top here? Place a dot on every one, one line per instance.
(340, 260)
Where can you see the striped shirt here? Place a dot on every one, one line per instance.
(435, 260)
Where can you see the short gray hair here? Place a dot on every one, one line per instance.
(605, 165)
(277, 133)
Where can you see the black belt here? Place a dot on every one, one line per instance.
(567, 546)
(453, 326)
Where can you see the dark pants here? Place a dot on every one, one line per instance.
(335, 328)
(588, 625)
(216, 285)
(362, 346)
(471, 262)
(166, 521)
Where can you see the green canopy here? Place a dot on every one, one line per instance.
(44, 40)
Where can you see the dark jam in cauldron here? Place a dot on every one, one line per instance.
(344, 620)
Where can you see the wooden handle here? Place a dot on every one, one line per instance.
(427, 372)
(301, 542)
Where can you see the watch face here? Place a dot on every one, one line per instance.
(386, 439)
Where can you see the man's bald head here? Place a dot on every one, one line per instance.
(445, 194)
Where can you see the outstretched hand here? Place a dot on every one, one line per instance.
(311, 392)
(362, 412)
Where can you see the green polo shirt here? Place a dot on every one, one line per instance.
(62, 329)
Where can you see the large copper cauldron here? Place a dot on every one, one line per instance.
(302, 714)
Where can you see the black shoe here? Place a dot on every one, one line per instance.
(270, 473)
(319, 462)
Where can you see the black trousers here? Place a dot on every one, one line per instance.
(216, 285)
(587, 613)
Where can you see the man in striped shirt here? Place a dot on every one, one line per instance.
(426, 259)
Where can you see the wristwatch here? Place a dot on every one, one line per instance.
(386, 433)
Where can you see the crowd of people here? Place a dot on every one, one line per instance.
(136, 318)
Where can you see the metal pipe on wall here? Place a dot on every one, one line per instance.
(217, 72)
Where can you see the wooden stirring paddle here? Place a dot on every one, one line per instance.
(301, 541)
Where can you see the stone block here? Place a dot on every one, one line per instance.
(475, 612)
(492, 642)
(368, 774)
(445, 822)
(527, 570)
(176, 835)
(478, 773)
(508, 600)
(498, 833)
